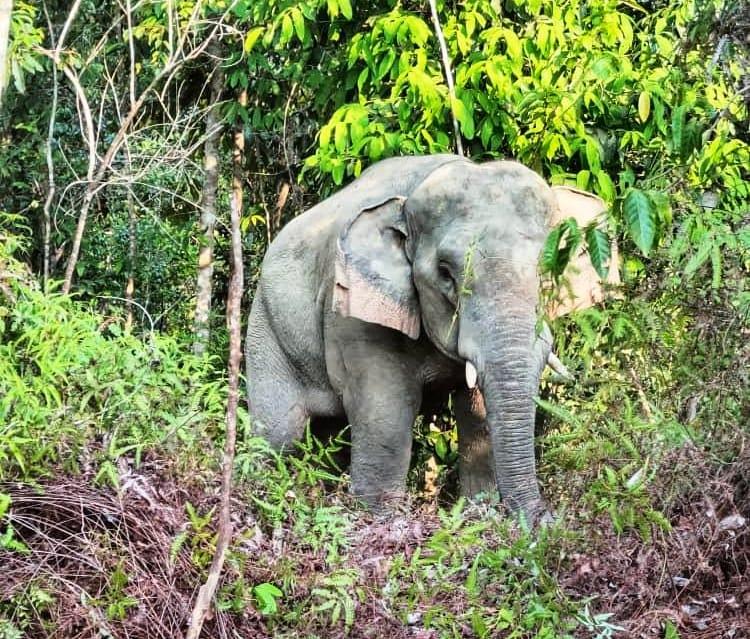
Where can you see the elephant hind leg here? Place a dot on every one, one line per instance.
(276, 398)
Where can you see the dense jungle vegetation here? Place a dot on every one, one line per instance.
(139, 137)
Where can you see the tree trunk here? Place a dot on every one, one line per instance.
(234, 300)
(204, 286)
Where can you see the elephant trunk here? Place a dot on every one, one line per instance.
(508, 370)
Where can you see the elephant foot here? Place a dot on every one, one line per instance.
(536, 514)
(477, 485)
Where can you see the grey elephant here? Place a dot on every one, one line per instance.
(418, 279)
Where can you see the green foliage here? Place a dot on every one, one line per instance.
(199, 536)
(640, 217)
(114, 599)
(266, 595)
(25, 39)
(22, 610)
(7, 539)
(69, 376)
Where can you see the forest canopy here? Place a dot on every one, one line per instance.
(145, 145)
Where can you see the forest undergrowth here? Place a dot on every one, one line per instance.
(109, 490)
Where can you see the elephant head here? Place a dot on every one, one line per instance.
(458, 257)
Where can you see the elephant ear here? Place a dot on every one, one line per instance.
(373, 280)
(582, 287)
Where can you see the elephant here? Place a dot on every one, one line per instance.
(418, 279)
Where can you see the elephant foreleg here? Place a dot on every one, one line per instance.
(381, 404)
(475, 462)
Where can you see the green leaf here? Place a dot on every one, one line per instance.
(605, 187)
(464, 117)
(597, 245)
(560, 245)
(299, 24)
(325, 135)
(701, 255)
(592, 155)
(670, 631)
(337, 173)
(267, 594)
(376, 148)
(644, 105)
(251, 38)
(678, 126)
(341, 137)
(346, 8)
(640, 217)
(287, 29)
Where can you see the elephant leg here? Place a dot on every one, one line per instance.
(381, 404)
(475, 462)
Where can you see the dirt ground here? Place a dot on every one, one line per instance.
(694, 579)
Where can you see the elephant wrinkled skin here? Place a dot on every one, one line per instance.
(418, 277)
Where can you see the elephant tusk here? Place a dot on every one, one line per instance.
(471, 374)
(558, 367)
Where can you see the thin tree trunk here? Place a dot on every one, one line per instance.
(234, 299)
(6, 9)
(132, 247)
(51, 188)
(204, 287)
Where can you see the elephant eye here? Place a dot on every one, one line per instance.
(447, 282)
(444, 272)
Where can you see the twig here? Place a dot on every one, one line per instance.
(448, 75)
(641, 394)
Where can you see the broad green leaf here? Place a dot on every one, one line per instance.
(299, 24)
(640, 217)
(464, 117)
(560, 245)
(346, 8)
(605, 187)
(644, 105)
(582, 179)
(325, 136)
(340, 137)
(337, 173)
(551, 250)
(376, 148)
(287, 29)
(251, 38)
(597, 245)
(266, 594)
(592, 155)
(670, 631)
